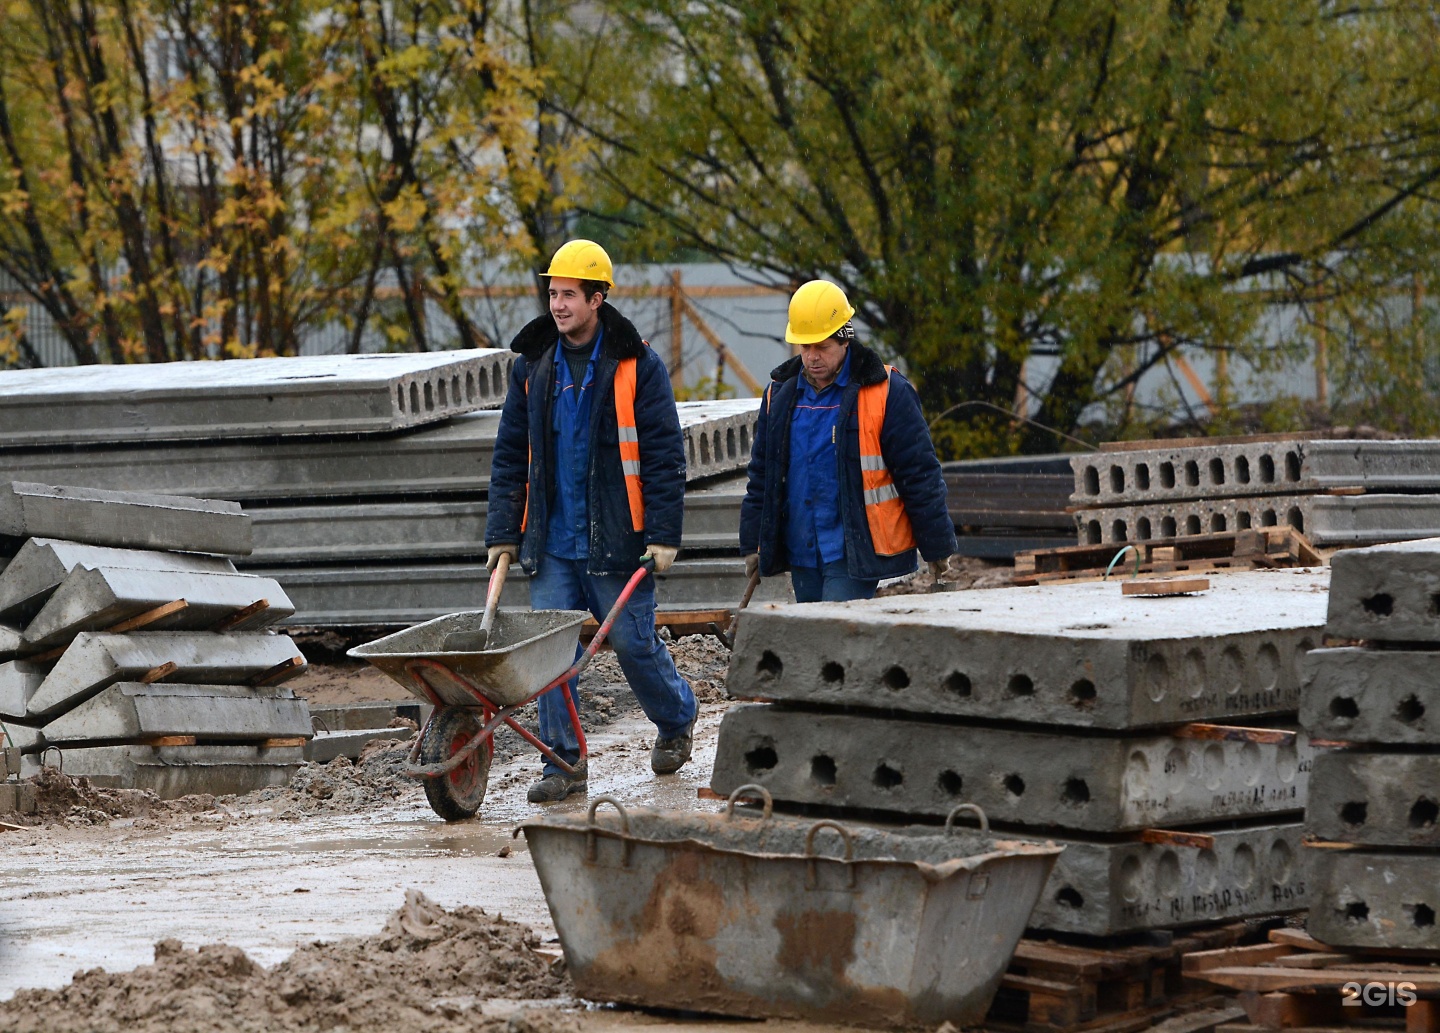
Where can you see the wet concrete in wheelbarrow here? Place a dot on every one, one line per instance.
(78, 897)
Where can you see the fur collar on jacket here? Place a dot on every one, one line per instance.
(866, 368)
(622, 340)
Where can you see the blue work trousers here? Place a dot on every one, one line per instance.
(666, 698)
(830, 584)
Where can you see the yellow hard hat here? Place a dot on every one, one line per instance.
(582, 260)
(817, 310)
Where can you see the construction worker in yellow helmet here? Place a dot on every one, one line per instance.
(588, 480)
(844, 487)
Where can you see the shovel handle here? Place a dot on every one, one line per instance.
(750, 587)
(492, 594)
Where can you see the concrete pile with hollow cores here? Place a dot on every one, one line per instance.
(1138, 494)
(1066, 711)
(164, 701)
(1375, 789)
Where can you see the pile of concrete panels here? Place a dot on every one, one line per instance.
(1374, 806)
(131, 650)
(1065, 711)
(1337, 492)
(366, 475)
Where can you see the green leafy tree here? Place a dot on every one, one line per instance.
(1108, 184)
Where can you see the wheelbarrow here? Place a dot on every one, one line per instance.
(777, 917)
(475, 691)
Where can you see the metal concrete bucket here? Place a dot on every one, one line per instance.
(778, 917)
(527, 650)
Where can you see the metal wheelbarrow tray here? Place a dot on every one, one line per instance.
(526, 651)
(757, 917)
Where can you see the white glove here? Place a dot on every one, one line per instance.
(752, 565)
(663, 555)
(492, 558)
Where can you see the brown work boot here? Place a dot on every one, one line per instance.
(554, 788)
(669, 755)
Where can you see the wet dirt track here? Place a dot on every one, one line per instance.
(76, 898)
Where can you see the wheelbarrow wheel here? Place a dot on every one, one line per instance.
(458, 794)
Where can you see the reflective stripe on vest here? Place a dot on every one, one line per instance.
(890, 531)
(629, 446)
(629, 440)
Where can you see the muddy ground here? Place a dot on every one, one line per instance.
(278, 910)
(339, 902)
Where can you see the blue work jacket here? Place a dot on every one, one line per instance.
(908, 452)
(523, 467)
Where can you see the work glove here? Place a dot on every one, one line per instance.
(752, 565)
(663, 555)
(492, 558)
(938, 567)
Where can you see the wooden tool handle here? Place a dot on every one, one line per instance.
(492, 596)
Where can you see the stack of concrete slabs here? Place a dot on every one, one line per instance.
(179, 401)
(94, 661)
(97, 598)
(125, 519)
(1075, 655)
(1374, 808)
(43, 563)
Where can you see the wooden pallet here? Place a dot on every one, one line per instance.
(1295, 982)
(1063, 988)
(1196, 553)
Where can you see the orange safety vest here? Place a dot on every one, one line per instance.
(629, 445)
(890, 530)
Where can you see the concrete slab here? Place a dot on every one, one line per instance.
(96, 659)
(133, 711)
(125, 518)
(1034, 778)
(1371, 696)
(427, 530)
(19, 681)
(176, 401)
(1374, 899)
(1103, 889)
(42, 563)
(718, 435)
(1388, 593)
(1375, 799)
(448, 457)
(174, 771)
(1376, 466)
(326, 746)
(1373, 519)
(361, 595)
(1165, 474)
(10, 642)
(94, 599)
(344, 717)
(452, 456)
(1118, 524)
(1071, 654)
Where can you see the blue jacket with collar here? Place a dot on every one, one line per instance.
(523, 467)
(909, 454)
